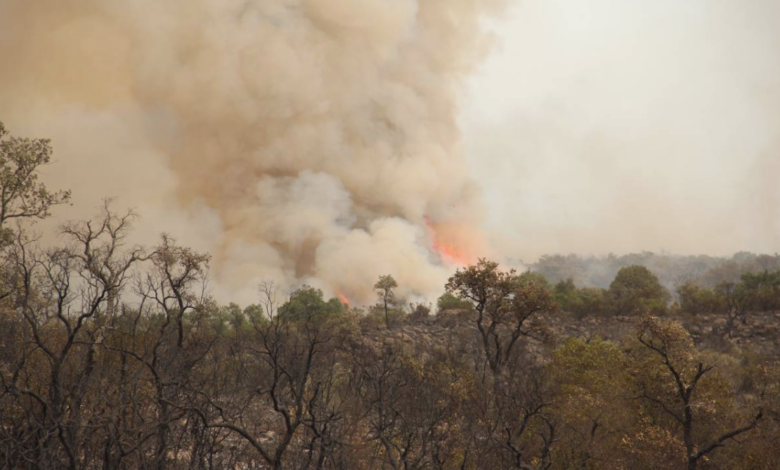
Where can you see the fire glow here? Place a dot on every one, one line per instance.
(447, 251)
(343, 299)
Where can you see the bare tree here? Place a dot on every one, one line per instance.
(406, 407)
(64, 296)
(282, 386)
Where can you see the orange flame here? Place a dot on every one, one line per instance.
(447, 251)
(343, 298)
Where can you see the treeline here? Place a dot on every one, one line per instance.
(671, 270)
(113, 357)
(172, 380)
(636, 290)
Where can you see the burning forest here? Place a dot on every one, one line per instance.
(333, 235)
(291, 140)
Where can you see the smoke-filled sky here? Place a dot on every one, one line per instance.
(299, 141)
(629, 125)
(330, 141)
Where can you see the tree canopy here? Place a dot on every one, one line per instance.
(636, 290)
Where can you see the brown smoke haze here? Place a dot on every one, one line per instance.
(320, 141)
(298, 141)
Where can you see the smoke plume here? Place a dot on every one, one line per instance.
(302, 141)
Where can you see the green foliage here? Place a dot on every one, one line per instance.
(308, 303)
(166, 377)
(764, 290)
(505, 304)
(535, 278)
(376, 316)
(591, 301)
(22, 195)
(531, 295)
(595, 366)
(449, 302)
(754, 292)
(499, 292)
(565, 291)
(589, 380)
(481, 282)
(581, 302)
(255, 314)
(687, 397)
(385, 285)
(706, 271)
(236, 317)
(698, 300)
(635, 290)
(385, 291)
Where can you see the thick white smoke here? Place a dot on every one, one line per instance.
(295, 140)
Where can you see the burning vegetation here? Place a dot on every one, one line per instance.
(292, 140)
(303, 198)
(115, 356)
(445, 245)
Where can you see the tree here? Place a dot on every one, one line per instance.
(737, 301)
(695, 299)
(176, 270)
(503, 301)
(636, 290)
(565, 294)
(535, 278)
(671, 379)
(764, 289)
(21, 194)
(513, 417)
(407, 403)
(589, 381)
(66, 298)
(281, 394)
(385, 289)
(590, 301)
(166, 378)
(308, 303)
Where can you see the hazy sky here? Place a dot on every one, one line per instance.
(623, 125)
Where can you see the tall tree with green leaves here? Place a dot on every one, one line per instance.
(22, 196)
(505, 304)
(385, 289)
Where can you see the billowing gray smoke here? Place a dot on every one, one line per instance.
(296, 140)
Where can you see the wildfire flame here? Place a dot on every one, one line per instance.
(446, 250)
(343, 299)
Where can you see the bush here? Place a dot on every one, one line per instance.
(420, 311)
(580, 302)
(375, 317)
(450, 302)
(697, 300)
